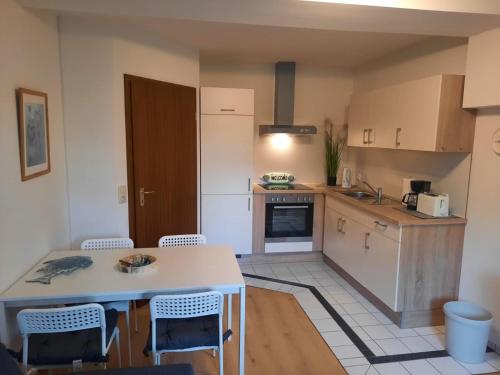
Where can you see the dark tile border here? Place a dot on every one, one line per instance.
(360, 344)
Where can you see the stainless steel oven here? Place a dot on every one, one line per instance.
(289, 218)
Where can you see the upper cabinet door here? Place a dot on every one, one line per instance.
(226, 154)
(224, 101)
(359, 115)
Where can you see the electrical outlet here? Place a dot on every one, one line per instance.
(122, 194)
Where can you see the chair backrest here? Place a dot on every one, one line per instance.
(107, 243)
(182, 240)
(186, 305)
(62, 319)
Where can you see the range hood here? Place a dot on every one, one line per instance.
(284, 95)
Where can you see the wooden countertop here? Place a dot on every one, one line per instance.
(387, 211)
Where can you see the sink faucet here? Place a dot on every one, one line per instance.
(377, 192)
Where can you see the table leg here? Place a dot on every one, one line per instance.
(242, 332)
(229, 313)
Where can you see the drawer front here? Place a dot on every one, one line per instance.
(370, 221)
(222, 101)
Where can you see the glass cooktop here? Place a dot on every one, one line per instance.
(285, 187)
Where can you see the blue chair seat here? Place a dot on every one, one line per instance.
(63, 348)
(178, 334)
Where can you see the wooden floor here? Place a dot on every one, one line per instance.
(280, 340)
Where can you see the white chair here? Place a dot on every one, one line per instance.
(193, 240)
(120, 306)
(182, 240)
(186, 322)
(51, 344)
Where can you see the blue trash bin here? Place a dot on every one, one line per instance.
(467, 331)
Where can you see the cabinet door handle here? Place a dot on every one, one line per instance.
(367, 247)
(364, 136)
(227, 109)
(370, 131)
(380, 223)
(248, 183)
(248, 203)
(398, 131)
(342, 226)
(339, 221)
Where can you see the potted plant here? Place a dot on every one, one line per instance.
(335, 141)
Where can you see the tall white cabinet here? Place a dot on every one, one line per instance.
(226, 133)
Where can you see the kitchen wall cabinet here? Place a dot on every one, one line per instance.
(421, 115)
(408, 272)
(223, 101)
(226, 148)
(227, 220)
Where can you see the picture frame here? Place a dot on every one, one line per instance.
(33, 126)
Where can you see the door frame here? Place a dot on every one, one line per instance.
(129, 135)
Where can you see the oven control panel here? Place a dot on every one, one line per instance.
(289, 198)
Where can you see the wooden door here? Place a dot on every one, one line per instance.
(226, 154)
(161, 159)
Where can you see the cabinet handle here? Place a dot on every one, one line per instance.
(364, 136)
(339, 221)
(248, 203)
(227, 109)
(398, 131)
(370, 131)
(248, 183)
(367, 247)
(380, 223)
(342, 226)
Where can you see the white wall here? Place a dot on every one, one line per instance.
(95, 56)
(34, 213)
(319, 93)
(480, 282)
(449, 173)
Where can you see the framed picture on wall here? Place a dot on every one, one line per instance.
(33, 122)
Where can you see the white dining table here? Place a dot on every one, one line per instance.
(177, 269)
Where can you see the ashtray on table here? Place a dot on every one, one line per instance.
(136, 263)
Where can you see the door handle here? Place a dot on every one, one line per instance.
(398, 131)
(367, 235)
(142, 194)
(364, 136)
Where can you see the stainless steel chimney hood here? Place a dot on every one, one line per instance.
(284, 96)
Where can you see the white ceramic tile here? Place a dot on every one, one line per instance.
(417, 344)
(357, 370)
(424, 331)
(343, 352)
(361, 333)
(382, 318)
(350, 321)
(354, 362)
(343, 297)
(338, 338)
(479, 368)
(326, 325)
(493, 359)
(370, 307)
(312, 266)
(392, 346)
(398, 332)
(365, 319)
(317, 313)
(378, 332)
(441, 328)
(371, 371)
(448, 366)
(391, 369)
(326, 282)
(354, 308)
(335, 288)
(338, 308)
(377, 351)
(419, 367)
(246, 268)
(263, 269)
(437, 341)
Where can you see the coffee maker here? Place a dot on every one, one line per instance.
(410, 199)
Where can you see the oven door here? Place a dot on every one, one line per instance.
(289, 222)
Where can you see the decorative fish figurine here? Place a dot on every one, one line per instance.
(61, 266)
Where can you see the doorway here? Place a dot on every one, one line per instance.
(160, 119)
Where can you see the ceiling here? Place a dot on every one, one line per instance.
(319, 32)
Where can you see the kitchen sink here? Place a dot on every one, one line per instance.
(359, 194)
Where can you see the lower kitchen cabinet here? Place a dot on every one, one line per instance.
(408, 272)
(227, 220)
